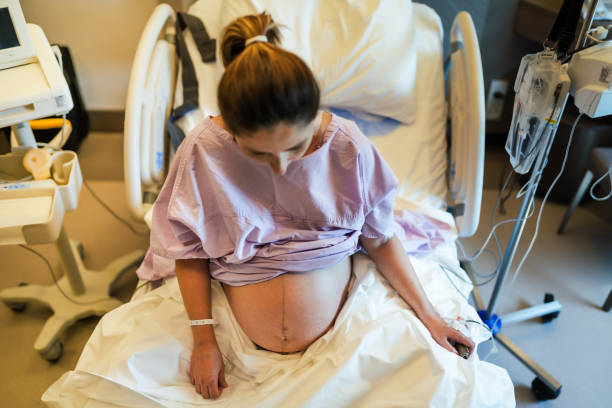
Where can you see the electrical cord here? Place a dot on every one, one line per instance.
(521, 192)
(535, 234)
(477, 284)
(113, 213)
(599, 180)
(482, 248)
(58, 56)
(496, 261)
(449, 321)
(500, 201)
(56, 281)
(479, 323)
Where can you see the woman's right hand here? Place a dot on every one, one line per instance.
(207, 371)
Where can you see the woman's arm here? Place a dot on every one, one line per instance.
(206, 360)
(393, 262)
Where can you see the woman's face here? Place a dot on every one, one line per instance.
(277, 146)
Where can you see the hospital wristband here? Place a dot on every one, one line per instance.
(202, 322)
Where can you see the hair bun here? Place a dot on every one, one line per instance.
(257, 38)
(239, 33)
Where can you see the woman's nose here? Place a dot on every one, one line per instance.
(280, 164)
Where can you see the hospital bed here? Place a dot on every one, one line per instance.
(378, 353)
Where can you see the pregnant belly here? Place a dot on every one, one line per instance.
(291, 311)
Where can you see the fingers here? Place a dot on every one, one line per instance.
(213, 389)
(466, 341)
(207, 372)
(447, 345)
(208, 390)
(222, 382)
(462, 345)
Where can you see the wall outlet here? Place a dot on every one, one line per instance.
(496, 98)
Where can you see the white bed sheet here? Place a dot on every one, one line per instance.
(377, 354)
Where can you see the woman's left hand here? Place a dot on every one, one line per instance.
(443, 334)
(393, 262)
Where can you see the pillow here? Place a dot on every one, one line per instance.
(344, 42)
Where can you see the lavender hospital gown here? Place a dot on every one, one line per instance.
(253, 224)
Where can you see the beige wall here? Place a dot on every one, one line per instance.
(102, 36)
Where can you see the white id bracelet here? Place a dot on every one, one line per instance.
(202, 322)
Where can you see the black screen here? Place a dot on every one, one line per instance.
(8, 36)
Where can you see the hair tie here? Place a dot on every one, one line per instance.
(257, 38)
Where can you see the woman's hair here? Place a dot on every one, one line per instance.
(263, 85)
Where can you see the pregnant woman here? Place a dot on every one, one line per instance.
(271, 198)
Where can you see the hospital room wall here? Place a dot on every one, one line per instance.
(448, 9)
(501, 47)
(102, 37)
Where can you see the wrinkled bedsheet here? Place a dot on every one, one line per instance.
(378, 354)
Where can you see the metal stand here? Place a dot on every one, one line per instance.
(544, 386)
(89, 293)
(551, 386)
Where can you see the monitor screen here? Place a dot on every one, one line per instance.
(8, 36)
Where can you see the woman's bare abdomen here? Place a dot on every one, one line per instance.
(291, 311)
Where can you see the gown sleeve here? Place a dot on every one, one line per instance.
(379, 186)
(178, 214)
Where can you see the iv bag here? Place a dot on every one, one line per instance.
(541, 88)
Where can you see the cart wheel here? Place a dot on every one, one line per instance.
(549, 297)
(53, 353)
(542, 391)
(17, 307)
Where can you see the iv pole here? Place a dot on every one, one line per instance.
(544, 386)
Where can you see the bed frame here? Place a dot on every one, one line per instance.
(150, 99)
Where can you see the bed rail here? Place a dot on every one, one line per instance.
(467, 117)
(149, 99)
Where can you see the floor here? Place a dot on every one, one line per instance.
(576, 267)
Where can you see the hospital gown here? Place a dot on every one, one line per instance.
(253, 224)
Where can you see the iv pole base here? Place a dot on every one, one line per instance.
(544, 386)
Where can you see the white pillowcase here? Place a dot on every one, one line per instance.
(344, 42)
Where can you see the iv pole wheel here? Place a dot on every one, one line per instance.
(543, 392)
(17, 307)
(54, 352)
(549, 297)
